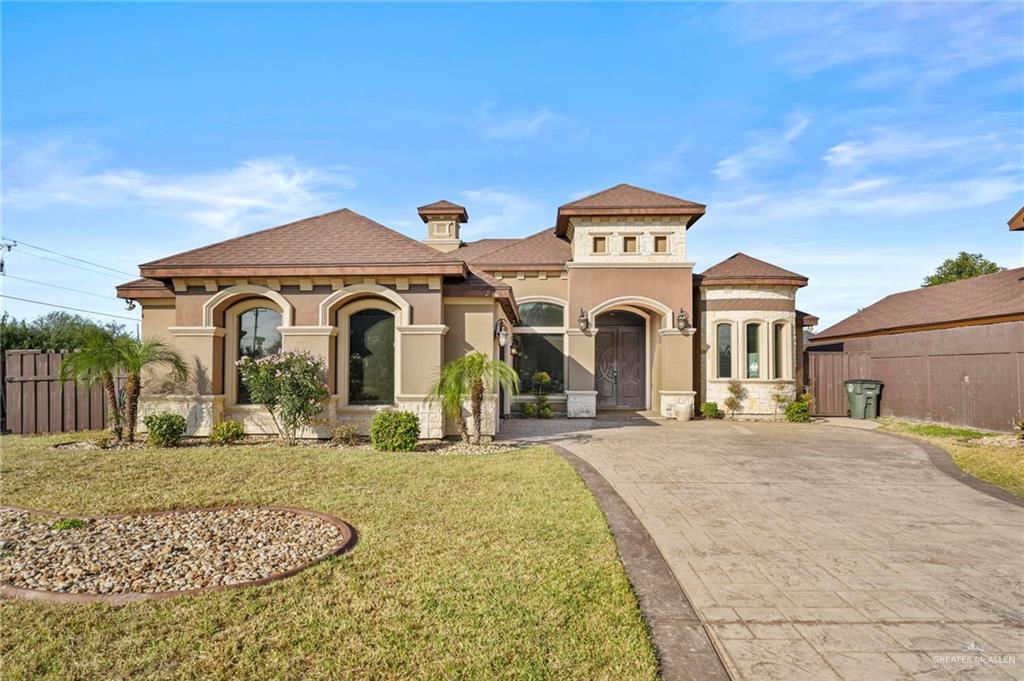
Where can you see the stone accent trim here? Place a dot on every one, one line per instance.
(201, 412)
(678, 404)
(581, 404)
(747, 304)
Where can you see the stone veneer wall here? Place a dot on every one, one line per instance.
(758, 400)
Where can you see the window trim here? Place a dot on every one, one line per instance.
(635, 239)
(593, 244)
(654, 244)
(341, 351)
(744, 359)
(549, 330)
(732, 349)
(230, 352)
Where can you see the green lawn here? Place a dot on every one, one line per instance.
(1000, 466)
(467, 567)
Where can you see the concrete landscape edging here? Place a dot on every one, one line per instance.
(684, 648)
(349, 534)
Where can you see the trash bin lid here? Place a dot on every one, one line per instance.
(864, 381)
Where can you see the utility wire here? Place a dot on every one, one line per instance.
(65, 307)
(65, 288)
(68, 264)
(70, 257)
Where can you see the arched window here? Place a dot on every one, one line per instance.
(778, 350)
(753, 350)
(257, 337)
(540, 345)
(371, 357)
(724, 353)
(541, 314)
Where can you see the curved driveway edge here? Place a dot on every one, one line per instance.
(685, 651)
(350, 537)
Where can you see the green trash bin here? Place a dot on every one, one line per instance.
(863, 395)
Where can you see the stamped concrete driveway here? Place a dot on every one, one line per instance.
(817, 552)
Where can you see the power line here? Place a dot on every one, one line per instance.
(68, 264)
(70, 257)
(65, 288)
(65, 307)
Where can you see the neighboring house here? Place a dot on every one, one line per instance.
(952, 353)
(1016, 223)
(606, 302)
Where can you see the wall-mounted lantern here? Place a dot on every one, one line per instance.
(515, 349)
(501, 332)
(682, 320)
(584, 320)
(129, 304)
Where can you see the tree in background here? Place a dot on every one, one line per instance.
(963, 266)
(53, 331)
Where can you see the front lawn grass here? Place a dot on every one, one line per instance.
(1000, 466)
(487, 566)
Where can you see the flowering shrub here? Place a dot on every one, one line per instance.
(291, 384)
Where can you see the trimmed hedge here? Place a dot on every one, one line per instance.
(395, 431)
(709, 410)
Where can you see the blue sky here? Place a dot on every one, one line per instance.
(857, 144)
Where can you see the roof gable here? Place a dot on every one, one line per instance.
(341, 238)
(625, 199)
(741, 268)
(988, 296)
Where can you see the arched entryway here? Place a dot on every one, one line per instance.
(620, 366)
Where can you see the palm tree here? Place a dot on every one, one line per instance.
(97, 361)
(469, 377)
(136, 356)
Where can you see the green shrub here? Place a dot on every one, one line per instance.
(290, 384)
(69, 524)
(345, 435)
(227, 433)
(544, 411)
(528, 410)
(799, 411)
(165, 429)
(395, 431)
(709, 410)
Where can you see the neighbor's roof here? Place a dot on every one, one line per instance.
(1016, 223)
(984, 299)
(540, 251)
(332, 243)
(742, 269)
(443, 207)
(625, 199)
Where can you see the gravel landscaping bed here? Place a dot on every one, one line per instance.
(175, 551)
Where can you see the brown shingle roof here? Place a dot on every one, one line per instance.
(741, 268)
(472, 251)
(144, 288)
(442, 207)
(481, 284)
(321, 244)
(542, 250)
(989, 296)
(1016, 223)
(625, 199)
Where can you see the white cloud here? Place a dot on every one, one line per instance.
(506, 213)
(514, 126)
(896, 144)
(915, 44)
(252, 193)
(764, 148)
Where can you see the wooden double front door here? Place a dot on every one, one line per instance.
(620, 360)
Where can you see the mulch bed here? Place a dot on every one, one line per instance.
(170, 552)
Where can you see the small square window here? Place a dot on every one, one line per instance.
(600, 244)
(661, 244)
(629, 244)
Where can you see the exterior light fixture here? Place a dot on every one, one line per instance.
(129, 304)
(515, 349)
(682, 320)
(584, 320)
(501, 332)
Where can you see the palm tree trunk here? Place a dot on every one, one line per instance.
(463, 429)
(113, 408)
(132, 388)
(476, 399)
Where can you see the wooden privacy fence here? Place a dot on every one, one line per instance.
(35, 403)
(826, 372)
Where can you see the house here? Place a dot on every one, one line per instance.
(605, 301)
(1016, 223)
(952, 353)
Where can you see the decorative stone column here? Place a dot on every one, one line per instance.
(676, 396)
(317, 340)
(422, 355)
(581, 396)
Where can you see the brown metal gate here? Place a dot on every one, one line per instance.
(36, 404)
(826, 372)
